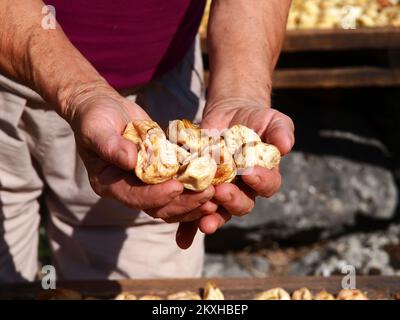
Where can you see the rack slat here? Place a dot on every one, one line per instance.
(376, 287)
(338, 39)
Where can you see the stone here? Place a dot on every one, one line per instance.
(338, 198)
(223, 265)
(236, 265)
(321, 196)
(368, 253)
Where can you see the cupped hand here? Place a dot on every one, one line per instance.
(98, 122)
(273, 127)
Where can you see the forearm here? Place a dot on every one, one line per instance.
(44, 60)
(244, 41)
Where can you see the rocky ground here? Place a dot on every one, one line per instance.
(339, 202)
(376, 253)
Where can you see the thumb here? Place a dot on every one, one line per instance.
(280, 132)
(115, 149)
(123, 154)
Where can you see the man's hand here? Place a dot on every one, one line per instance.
(46, 61)
(110, 159)
(244, 40)
(273, 127)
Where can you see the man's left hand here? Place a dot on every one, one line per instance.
(273, 127)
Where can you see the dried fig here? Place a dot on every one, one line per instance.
(351, 294)
(273, 294)
(226, 168)
(238, 135)
(187, 135)
(212, 292)
(184, 295)
(257, 154)
(323, 295)
(302, 294)
(150, 297)
(197, 173)
(157, 159)
(125, 296)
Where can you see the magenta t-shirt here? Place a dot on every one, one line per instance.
(130, 41)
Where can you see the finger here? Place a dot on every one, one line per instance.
(280, 132)
(211, 223)
(186, 202)
(186, 233)
(263, 181)
(125, 187)
(205, 209)
(233, 199)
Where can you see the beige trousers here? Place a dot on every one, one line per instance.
(90, 237)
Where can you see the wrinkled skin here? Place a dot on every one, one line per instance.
(98, 122)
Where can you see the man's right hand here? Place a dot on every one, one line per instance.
(46, 61)
(98, 122)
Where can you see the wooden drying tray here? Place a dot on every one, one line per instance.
(376, 287)
(319, 42)
(337, 39)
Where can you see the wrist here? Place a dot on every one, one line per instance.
(232, 99)
(60, 73)
(71, 98)
(239, 90)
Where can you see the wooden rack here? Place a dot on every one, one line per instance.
(376, 287)
(337, 58)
